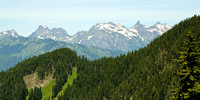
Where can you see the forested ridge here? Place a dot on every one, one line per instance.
(145, 74)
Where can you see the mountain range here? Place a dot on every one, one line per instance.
(113, 36)
(103, 39)
(145, 74)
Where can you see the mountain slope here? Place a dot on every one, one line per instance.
(141, 75)
(13, 50)
(58, 63)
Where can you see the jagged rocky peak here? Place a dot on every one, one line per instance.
(12, 31)
(159, 27)
(59, 31)
(138, 23)
(43, 32)
(43, 26)
(161, 24)
(108, 26)
(157, 23)
(9, 33)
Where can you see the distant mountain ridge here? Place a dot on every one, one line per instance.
(113, 36)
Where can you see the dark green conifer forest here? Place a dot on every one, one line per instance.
(190, 70)
(146, 74)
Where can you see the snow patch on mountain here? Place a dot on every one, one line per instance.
(40, 37)
(89, 37)
(115, 28)
(5, 32)
(58, 34)
(44, 26)
(80, 41)
(115, 44)
(160, 28)
(133, 30)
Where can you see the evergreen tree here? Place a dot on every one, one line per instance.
(190, 70)
(36, 94)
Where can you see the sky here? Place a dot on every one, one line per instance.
(75, 15)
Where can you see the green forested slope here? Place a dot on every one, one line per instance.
(146, 74)
(58, 62)
(141, 75)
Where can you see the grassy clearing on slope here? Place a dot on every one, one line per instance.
(47, 90)
(69, 81)
(71, 78)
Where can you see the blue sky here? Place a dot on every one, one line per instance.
(74, 15)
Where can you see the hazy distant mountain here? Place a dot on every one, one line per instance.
(13, 50)
(9, 33)
(43, 32)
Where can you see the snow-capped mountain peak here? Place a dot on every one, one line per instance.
(149, 32)
(43, 26)
(157, 23)
(111, 27)
(138, 23)
(43, 32)
(13, 33)
(9, 33)
(60, 31)
(159, 27)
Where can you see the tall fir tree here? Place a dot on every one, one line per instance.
(190, 70)
(36, 94)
